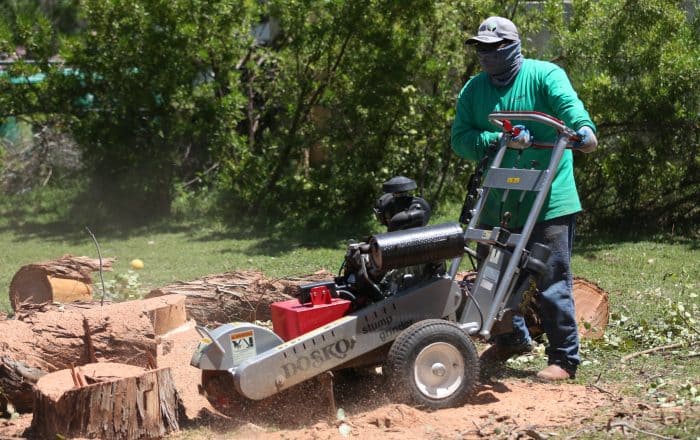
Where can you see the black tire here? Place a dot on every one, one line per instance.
(433, 364)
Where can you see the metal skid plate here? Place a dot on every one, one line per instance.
(283, 365)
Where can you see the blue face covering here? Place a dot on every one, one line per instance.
(501, 64)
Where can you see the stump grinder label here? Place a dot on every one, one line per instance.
(242, 346)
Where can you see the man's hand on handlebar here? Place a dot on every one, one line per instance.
(587, 140)
(520, 138)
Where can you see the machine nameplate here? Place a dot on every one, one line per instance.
(393, 331)
(316, 358)
(491, 273)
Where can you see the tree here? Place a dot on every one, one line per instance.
(636, 65)
(350, 95)
(165, 97)
(309, 123)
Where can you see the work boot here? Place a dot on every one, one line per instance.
(499, 353)
(554, 373)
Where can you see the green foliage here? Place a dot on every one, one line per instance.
(24, 28)
(330, 94)
(675, 323)
(636, 66)
(163, 79)
(170, 95)
(122, 287)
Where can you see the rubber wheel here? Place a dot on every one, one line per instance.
(217, 386)
(433, 364)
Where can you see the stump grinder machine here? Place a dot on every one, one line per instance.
(396, 303)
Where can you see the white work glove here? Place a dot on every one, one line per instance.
(520, 141)
(588, 141)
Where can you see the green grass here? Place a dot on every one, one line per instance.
(653, 283)
(173, 253)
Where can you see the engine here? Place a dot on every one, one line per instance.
(407, 254)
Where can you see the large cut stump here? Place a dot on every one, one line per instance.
(78, 334)
(590, 303)
(106, 401)
(66, 279)
(234, 296)
(592, 308)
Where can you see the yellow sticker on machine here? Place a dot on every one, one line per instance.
(513, 180)
(242, 345)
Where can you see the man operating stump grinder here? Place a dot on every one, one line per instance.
(510, 82)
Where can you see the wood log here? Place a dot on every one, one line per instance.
(65, 279)
(16, 381)
(116, 401)
(78, 334)
(234, 296)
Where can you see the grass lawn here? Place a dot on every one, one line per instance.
(170, 253)
(654, 287)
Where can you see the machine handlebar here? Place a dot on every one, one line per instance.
(503, 120)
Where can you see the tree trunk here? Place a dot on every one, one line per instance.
(66, 279)
(107, 401)
(80, 334)
(234, 296)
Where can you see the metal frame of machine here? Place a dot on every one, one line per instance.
(408, 312)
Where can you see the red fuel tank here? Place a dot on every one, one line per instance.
(291, 319)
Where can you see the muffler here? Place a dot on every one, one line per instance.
(414, 246)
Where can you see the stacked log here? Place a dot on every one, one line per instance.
(65, 279)
(234, 296)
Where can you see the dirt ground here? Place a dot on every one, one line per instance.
(511, 408)
(516, 407)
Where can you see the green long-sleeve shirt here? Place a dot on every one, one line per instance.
(539, 86)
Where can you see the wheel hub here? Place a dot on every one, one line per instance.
(439, 370)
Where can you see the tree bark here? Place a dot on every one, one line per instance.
(592, 308)
(16, 381)
(78, 334)
(107, 401)
(65, 279)
(234, 296)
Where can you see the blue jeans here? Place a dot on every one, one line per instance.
(555, 301)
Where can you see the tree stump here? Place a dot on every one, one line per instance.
(78, 334)
(590, 303)
(106, 401)
(592, 308)
(66, 279)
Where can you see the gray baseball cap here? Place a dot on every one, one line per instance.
(495, 30)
